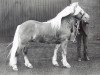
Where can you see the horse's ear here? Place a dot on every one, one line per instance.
(77, 3)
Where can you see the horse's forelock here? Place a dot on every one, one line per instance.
(86, 17)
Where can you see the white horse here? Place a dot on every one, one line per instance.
(56, 30)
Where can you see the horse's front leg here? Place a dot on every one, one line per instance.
(54, 58)
(64, 53)
(27, 63)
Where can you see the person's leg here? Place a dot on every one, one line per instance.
(78, 38)
(85, 52)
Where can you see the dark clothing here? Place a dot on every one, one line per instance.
(82, 38)
(81, 31)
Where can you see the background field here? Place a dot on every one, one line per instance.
(40, 56)
(14, 12)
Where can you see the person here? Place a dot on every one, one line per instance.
(82, 37)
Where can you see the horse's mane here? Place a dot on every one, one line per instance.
(56, 21)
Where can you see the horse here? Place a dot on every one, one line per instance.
(55, 31)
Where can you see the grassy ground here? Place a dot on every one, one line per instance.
(40, 56)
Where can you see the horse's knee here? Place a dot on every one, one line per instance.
(64, 52)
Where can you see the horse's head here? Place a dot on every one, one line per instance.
(79, 12)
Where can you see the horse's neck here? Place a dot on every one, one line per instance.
(69, 21)
(66, 11)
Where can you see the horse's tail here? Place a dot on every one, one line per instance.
(15, 42)
(9, 44)
(7, 48)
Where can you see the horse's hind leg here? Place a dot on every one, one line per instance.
(64, 53)
(27, 63)
(54, 58)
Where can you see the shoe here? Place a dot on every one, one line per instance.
(86, 58)
(79, 59)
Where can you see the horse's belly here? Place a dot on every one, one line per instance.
(48, 39)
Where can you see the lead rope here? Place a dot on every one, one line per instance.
(75, 31)
(77, 27)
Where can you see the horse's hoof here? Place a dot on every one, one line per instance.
(55, 63)
(28, 65)
(14, 67)
(88, 59)
(79, 59)
(66, 64)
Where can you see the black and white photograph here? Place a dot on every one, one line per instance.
(49, 37)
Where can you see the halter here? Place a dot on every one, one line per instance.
(80, 18)
(82, 15)
(76, 26)
(78, 22)
(79, 13)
